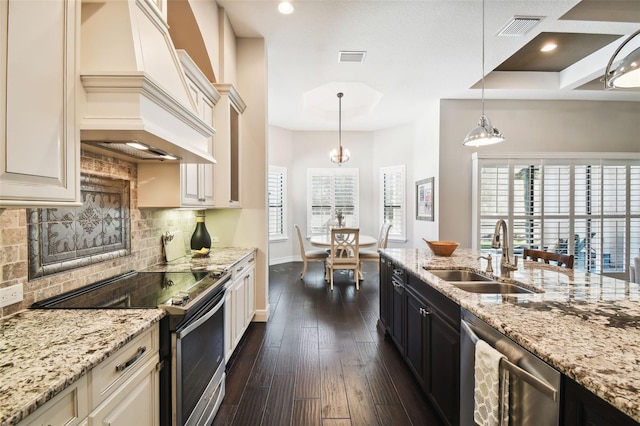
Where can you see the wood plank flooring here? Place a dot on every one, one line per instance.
(320, 359)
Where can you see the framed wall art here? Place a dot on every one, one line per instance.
(424, 199)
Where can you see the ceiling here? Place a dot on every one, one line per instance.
(419, 51)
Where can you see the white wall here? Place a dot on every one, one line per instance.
(529, 126)
(310, 149)
(281, 154)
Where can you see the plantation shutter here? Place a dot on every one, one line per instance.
(588, 207)
(392, 180)
(277, 208)
(330, 191)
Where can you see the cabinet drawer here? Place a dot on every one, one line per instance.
(449, 309)
(112, 372)
(135, 402)
(67, 408)
(240, 268)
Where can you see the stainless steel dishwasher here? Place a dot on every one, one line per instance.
(534, 386)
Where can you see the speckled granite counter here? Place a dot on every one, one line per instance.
(44, 351)
(219, 259)
(585, 325)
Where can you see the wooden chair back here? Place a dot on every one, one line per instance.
(345, 248)
(383, 237)
(565, 260)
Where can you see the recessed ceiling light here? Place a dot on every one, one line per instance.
(548, 47)
(285, 8)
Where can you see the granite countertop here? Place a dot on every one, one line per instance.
(44, 351)
(584, 325)
(219, 259)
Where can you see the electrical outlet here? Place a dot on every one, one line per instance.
(215, 239)
(11, 295)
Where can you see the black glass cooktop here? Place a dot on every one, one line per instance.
(133, 290)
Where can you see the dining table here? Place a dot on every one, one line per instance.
(324, 241)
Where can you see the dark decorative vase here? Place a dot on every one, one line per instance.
(200, 237)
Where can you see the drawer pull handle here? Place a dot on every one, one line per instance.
(240, 269)
(124, 365)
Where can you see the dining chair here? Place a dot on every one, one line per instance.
(374, 255)
(309, 255)
(345, 253)
(565, 260)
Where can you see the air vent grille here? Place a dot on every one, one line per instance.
(519, 26)
(351, 56)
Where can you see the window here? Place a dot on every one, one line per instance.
(392, 194)
(277, 187)
(588, 207)
(330, 191)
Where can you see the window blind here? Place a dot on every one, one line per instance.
(587, 207)
(276, 186)
(330, 191)
(393, 196)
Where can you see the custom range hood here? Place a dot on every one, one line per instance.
(137, 102)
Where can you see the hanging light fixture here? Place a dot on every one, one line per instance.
(484, 133)
(627, 74)
(340, 155)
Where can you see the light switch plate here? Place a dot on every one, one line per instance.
(11, 295)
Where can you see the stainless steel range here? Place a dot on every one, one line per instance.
(191, 335)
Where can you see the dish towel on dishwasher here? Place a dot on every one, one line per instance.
(491, 395)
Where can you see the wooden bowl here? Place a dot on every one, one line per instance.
(442, 248)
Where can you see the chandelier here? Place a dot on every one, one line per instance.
(340, 155)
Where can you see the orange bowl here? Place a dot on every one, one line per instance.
(442, 248)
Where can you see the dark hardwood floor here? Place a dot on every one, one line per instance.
(320, 359)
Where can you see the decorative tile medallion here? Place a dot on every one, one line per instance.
(66, 238)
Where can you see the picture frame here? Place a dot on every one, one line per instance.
(425, 199)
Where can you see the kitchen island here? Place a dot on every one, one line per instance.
(44, 352)
(584, 325)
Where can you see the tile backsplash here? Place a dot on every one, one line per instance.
(147, 226)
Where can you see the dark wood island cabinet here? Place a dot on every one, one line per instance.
(425, 326)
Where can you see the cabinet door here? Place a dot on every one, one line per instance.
(397, 315)
(443, 367)
(135, 403)
(416, 338)
(190, 182)
(68, 408)
(250, 293)
(39, 135)
(583, 408)
(385, 292)
(228, 324)
(238, 301)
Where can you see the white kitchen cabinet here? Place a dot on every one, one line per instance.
(121, 390)
(239, 303)
(69, 407)
(227, 147)
(39, 133)
(183, 185)
(136, 402)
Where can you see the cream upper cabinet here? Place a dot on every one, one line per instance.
(184, 184)
(39, 135)
(227, 147)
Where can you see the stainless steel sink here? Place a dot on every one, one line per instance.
(477, 283)
(458, 275)
(491, 287)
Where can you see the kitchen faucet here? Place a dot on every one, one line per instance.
(505, 266)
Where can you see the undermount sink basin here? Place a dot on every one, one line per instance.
(477, 283)
(459, 275)
(491, 287)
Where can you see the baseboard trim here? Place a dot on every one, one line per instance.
(261, 315)
(286, 259)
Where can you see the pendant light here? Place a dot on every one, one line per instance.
(627, 74)
(340, 155)
(484, 133)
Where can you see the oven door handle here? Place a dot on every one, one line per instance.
(188, 329)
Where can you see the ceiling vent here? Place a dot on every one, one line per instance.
(351, 56)
(519, 26)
